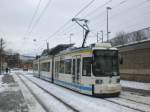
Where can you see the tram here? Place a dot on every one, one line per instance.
(92, 70)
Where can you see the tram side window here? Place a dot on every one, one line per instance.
(86, 66)
(73, 67)
(78, 66)
(62, 66)
(56, 66)
(35, 67)
(68, 66)
(45, 66)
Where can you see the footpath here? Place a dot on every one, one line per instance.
(11, 98)
(14, 98)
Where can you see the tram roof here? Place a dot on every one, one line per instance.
(80, 49)
(68, 48)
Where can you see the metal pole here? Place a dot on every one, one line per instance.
(102, 35)
(39, 64)
(97, 37)
(0, 56)
(47, 44)
(107, 25)
(83, 34)
(108, 8)
(70, 37)
(1, 49)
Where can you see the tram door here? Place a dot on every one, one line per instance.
(76, 69)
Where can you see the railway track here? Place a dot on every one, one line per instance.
(143, 92)
(38, 100)
(106, 99)
(134, 101)
(125, 105)
(48, 92)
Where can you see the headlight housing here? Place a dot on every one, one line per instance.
(98, 81)
(118, 80)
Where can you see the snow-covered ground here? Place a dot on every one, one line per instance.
(124, 83)
(127, 102)
(81, 105)
(135, 97)
(5, 86)
(48, 101)
(1, 84)
(11, 98)
(32, 103)
(15, 97)
(135, 85)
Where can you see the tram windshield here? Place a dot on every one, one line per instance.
(105, 63)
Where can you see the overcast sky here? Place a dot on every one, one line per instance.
(29, 39)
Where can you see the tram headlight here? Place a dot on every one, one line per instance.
(98, 81)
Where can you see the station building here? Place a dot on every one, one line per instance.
(136, 61)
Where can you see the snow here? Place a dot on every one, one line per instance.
(124, 83)
(131, 104)
(30, 71)
(135, 85)
(51, 103)
(33, 105)
(6, 86)
(137, 98)
(1, 84)
(75, 102)
(85, 103)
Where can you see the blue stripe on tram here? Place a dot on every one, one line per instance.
(87, 88)
(79, 86)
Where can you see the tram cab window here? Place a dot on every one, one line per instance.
(62, 66)
(105, 63)
(87, 66)
(68, 66)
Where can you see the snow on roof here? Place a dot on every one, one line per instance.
(133, 43)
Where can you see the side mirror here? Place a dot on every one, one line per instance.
(120, 59)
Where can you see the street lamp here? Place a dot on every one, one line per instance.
(102, 35)
(108, 8)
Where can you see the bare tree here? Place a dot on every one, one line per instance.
(138, 36)
(121, 38)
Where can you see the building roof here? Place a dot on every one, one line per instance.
(26, 58)
(135, 45)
